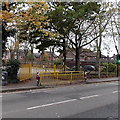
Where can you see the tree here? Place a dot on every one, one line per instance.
(9, 30)
(55, 14)
(4, 37)
(5, 16)
(45, 58)
(105, 15)
(58, 62)
(75, 21)
(12, 69)
(32, 26)
(29, 57)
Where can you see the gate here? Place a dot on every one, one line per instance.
(25, 72)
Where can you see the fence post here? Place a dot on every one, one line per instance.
(57, 76)
(71, 77)
(54, 69)
(30, 74)
(20, 74)
(40, 78)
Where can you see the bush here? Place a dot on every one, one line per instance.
(13, 66)
(58, 62)
(111, 67)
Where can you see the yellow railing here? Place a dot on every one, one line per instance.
(51, 77)
(48, 78)
(47, 66)
(25, 72)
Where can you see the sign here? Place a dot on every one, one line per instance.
(118, 59)
(118, 62)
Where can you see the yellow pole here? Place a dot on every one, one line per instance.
(30, 67)
(71, 78)
(56, 78)
(54, 68)
(40, 78)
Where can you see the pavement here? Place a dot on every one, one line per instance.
(31, 84)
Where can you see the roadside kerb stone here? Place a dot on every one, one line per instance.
(23, 89)
(41, 87)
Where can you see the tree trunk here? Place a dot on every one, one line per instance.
(98, 49)
(77, 58)
(25, 53)
(32, 55)
(11, 54)
(17, 53)
(64, 55)
(52, 54)
(98, 62)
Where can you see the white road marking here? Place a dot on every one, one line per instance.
(88, 97)
(46, 105)
(37, 91)
(115, 92)
(0, 96)
(45, 91)
(56, 103)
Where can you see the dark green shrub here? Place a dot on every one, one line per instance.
(111, 67)
(58, 62)
(13, 66)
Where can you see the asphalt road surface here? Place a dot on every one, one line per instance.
(99, 100)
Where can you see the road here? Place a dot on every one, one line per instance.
(99, 100)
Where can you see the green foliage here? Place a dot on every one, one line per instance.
(33, 25)
(30, 57)
(12, 69)
(111, 67)
(6, 15)
(58, 62)
(74, 19)
(45, 58)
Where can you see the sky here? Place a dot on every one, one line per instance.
(110, 47)
(110, 52)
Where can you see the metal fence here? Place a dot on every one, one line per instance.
(28, 71)
(65, 77)
(54, 75)
(25, 72)
(50, 76)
